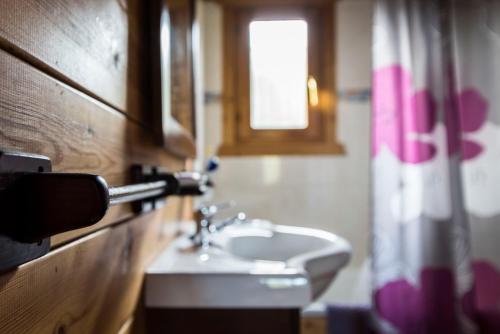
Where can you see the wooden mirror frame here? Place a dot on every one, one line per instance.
(168, 131)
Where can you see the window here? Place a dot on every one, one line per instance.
(279, 79)
(278, 73)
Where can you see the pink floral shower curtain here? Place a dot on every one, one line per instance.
(436, 166)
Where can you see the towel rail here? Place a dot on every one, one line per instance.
(36, 203)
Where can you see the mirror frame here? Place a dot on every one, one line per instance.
(167, 131)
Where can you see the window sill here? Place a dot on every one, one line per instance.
(282, 149)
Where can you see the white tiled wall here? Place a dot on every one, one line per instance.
(327, 192)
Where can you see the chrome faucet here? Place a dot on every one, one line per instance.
(205, 224)
(241, 217)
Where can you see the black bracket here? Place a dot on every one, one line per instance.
(145, 173)
(14, 252)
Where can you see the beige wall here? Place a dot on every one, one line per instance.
(326, 192)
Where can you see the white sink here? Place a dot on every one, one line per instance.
(252, 265)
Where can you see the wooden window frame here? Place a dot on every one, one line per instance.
(320, 137)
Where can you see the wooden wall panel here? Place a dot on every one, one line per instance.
(91, 285)
(74, 87)
(39, 114)
(95, 45)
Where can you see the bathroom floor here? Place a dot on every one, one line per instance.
(313, 325)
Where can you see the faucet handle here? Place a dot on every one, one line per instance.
(211, 210)
(203, 218)
(241, 217)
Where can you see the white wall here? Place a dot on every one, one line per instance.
(327, 192)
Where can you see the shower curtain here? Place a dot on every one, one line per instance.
(436, 166)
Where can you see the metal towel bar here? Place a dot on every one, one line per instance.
(36, 203)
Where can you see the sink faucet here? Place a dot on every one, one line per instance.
(205, 223)
(241, 217)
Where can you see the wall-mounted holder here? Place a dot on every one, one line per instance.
(13, 252)
(36, 203)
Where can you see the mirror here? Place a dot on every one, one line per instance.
(172, 75)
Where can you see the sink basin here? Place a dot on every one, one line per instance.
(252, 265)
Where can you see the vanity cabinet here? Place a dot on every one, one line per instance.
(223, 321)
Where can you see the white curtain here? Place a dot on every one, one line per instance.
(436, 166)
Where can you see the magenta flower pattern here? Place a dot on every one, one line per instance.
(472, 111)
(426, 308)
(423, 309)
(402, 115)
(487, 297)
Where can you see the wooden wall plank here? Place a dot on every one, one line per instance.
(91, 285)
(39, 114)
(95, 45)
